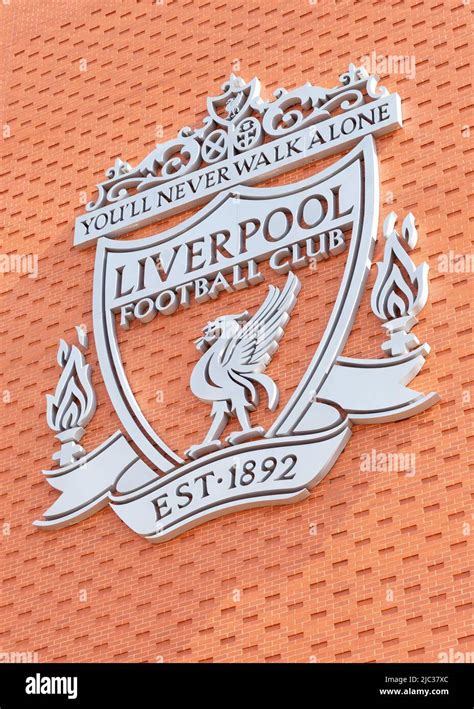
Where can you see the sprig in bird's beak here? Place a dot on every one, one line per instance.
(209, 336)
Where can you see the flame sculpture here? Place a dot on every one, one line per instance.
(401, 289)
(74, 402)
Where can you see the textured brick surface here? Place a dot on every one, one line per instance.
(387, 575)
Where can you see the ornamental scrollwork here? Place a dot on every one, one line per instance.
(237, 120)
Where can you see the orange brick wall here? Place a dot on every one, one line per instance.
(387, 575)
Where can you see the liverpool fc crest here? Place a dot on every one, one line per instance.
(214, 255)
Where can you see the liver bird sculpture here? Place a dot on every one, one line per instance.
(236, 350)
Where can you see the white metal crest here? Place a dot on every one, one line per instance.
(157, 492)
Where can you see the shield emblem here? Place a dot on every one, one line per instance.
(236, 101)
(121, 264)
(342, 199)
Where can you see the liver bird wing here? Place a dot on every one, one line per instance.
(252, 348)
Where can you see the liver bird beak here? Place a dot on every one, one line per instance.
(200, 344)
